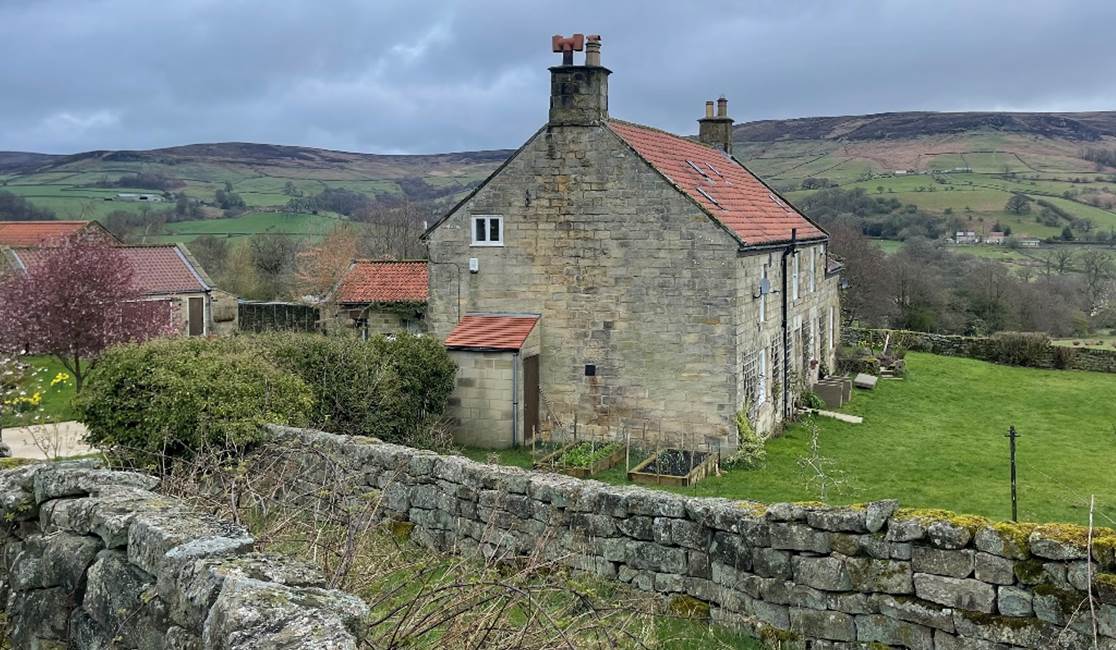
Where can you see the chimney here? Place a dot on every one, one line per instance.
(716, 131)
(578, 93)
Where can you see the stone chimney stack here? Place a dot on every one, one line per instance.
(716, 131)
(578, 93)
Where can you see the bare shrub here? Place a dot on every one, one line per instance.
(312, 504)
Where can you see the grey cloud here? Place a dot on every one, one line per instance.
(440, 75)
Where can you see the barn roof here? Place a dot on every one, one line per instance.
(383, 281)
(500, 332)
(720, 184)
(37, 233)
(156, 269)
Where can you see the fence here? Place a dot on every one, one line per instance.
(267, 316)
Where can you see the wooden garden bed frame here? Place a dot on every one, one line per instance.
(550, 463)
(701, 470)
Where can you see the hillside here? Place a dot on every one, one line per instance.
(962, 166)
(267, 177)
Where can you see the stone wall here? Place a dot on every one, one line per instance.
(833, 576)
(91, 558)
(980, 347)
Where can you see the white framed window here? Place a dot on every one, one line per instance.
(761, 371)
(832, 343)
(488, 230)
(813, 269)
(763, 296)
(794, 277)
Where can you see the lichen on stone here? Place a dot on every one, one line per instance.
(926, 516)
(689, 607)
(1010, 622)
(753, 507)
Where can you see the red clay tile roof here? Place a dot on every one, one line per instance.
(156, 269)
(718, 183)
(491, 332)
(384, 281)
(35, 233)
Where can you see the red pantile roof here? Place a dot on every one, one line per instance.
(372, 281)
(36, 233)
(721, 185)
(156, 269)
(491, 332)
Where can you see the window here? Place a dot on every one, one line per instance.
(813, 268)
(763, 296)
(832, 341)
(488, 231)
(794, 277)
(761, 384)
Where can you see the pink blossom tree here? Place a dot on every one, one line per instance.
(73, 299)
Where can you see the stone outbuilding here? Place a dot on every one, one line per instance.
(496, 401)
(167, 272)
(379, 297)
(672, 287)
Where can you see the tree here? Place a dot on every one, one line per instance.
(74, 300)
(1099, 272)
(16, 208)
(1018, 204)
(319, 267)
(273, 257)
(1067, 234)
(211, 252)
(393, 230)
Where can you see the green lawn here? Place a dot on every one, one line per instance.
(936, 439)
(55, 405)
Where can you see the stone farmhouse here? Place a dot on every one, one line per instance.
(379, 297)
(629, 279)
(165, 272)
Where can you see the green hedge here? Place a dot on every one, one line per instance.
(171, 397)
(389, 386)
(145, 403)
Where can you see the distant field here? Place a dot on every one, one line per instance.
(295, 224)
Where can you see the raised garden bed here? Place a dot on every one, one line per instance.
(674, 467)
(582, 459)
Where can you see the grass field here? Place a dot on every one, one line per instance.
(55, 406)
(297, 224)
(936, 439)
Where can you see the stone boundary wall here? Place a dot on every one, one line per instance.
(831, 577)
(976, 347)
(91, 558)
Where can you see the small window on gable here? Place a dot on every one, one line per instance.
(488, 230)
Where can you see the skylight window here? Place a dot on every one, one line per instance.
(715, 170)
(698, 170)
(779, 202)
(711, 199)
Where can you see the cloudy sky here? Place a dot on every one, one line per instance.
(419, 76)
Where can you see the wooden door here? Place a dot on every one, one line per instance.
(196, 315)
(530, 396)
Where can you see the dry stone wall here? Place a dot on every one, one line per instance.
(978, 347)
(800, 573)
(92, 558)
